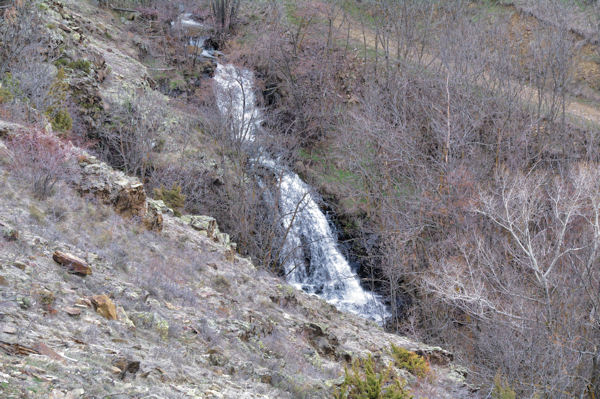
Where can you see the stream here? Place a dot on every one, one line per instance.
(310, 258)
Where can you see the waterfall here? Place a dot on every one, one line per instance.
(311, 258)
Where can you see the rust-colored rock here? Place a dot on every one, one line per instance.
(73, 312)
(104, 306)
(73, 264)
(153, 220)
(17, 349)
(126, 194)
(131, 200)
(125, 366)
(45, 350)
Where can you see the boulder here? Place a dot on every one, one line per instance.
(162, 327)
(124, 318)
(142, 319)
(72, 263)
(131, 198)
(104, 306)
(153, 219)
(126, 365)
(202, 223)
(150, 320)
(160, 207)
(125, 194)
(223, 238)
(325, 343)
(9, 129)
(45, 350)
(216, 358)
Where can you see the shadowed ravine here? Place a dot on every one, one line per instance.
(310, 256)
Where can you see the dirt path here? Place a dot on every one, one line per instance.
(578, 112)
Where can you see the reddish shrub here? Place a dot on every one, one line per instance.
(41, 159)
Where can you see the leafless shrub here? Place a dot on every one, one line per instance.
(24, 77)
(34, 82)
(42, 160)
(21, 36)
(526, 262)
(129, 141)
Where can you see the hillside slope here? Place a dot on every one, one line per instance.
(190, 317)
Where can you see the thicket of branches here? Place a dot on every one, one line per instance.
(31, 89)
(475, 191)
(475, 195)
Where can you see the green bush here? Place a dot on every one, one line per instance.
(410, 361)
(82, 65)
(172, 197)
(365, 381)
(502, 389)
(57, 113)
(5, 95)
(9, 88)
(60, 120)
(61, 62)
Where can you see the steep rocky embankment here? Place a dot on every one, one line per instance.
(96, 305)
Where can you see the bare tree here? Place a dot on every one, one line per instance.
(42, 160)
(537, 276)
(224, 13)
(20, 34)
(132, 136)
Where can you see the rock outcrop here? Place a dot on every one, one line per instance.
(126, 194)
(104, 306)
(207, 225)
(153, 219)
(8, 129)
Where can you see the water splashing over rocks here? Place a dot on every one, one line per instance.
(311, 258)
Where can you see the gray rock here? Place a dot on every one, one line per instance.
(160, 206)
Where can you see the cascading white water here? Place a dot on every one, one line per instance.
(310, 256)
